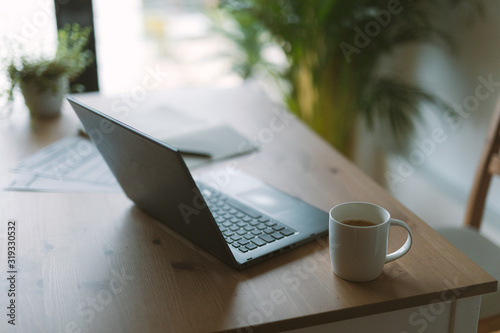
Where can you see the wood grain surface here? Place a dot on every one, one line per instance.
(96, 263)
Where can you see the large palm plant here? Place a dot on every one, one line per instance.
(333, 48)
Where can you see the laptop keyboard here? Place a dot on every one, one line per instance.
(243, 228)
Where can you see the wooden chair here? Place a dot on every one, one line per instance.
(468, 239)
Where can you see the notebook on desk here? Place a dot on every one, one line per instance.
(238, 218)
(220, 141)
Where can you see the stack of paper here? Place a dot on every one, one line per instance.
(74, 164)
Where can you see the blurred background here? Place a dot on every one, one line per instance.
(392, 86)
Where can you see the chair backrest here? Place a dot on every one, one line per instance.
(489, 164)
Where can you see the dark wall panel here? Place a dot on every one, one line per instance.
(80, 11)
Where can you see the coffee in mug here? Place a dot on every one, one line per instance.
(359, 234)
(358, 223)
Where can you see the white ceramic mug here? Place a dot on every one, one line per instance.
(358, 253)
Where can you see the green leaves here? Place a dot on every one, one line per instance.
(70, 60)
(71, 53)
(397, 103)
(334, 48)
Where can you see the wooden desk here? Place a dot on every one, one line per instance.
(96, 263)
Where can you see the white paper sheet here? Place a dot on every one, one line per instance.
(74, 164)
(71, 164)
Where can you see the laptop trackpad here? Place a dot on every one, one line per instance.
(268, 200)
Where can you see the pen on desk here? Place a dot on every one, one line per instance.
(194, 153)
(81, 132)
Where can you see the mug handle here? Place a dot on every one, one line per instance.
(406, 246)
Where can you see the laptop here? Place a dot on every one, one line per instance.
(236, 217)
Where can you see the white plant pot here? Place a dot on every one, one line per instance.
(45, 103)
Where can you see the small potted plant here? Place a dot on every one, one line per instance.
(44, 80)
